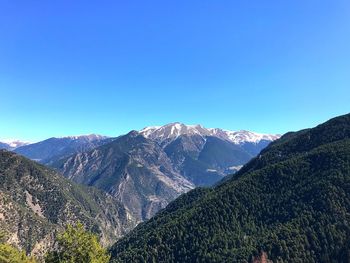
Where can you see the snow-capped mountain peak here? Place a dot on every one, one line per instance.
(173, 130)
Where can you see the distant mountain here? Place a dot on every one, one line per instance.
(4, 146)
(53, 149)
(133, 169)
(146, 170)
(205, 160)
(12, 144)
(205, 155)
(36, 202)
(289, 204)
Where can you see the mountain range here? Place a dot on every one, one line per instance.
(137, 174)
(53, 149)
(146, 170)
(289, 204)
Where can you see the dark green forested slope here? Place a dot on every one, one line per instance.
(291, 202)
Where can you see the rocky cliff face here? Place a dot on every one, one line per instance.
(36, 202)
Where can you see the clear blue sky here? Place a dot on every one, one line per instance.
(77, 67)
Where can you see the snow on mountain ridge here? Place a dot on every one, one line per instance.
(173, 130)
(14, 143)
(248, 136)
(90, 137)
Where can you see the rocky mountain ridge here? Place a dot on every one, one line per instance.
(171, 131)
(147, 169)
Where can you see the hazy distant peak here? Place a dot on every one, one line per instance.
(10, 144)
(90, 137)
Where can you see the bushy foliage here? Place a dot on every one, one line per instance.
(76, 245)
(10, 254)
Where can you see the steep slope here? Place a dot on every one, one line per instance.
(290, 204)
(133, 169)
(53, 149)
(205, 156)
(205, 160)
(35, 202)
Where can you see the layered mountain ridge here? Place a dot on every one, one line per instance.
(147, 169)
(53, 149)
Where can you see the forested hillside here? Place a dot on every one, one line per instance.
(291, 203)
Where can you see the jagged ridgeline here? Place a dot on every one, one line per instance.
(289, 204)
(35, 202)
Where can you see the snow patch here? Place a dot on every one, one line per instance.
(90, 137)
(235, 168)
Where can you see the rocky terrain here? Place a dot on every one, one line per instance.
(146, 170)
(36, 202)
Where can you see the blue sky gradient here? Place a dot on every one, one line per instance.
(107, 67)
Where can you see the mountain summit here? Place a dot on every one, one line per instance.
(171, 131)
